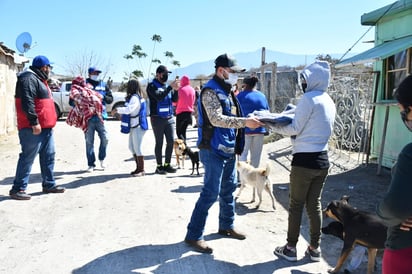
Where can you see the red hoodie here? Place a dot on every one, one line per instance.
(187, 96)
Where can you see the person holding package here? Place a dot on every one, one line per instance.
(96, 122)
(221, 137)
(311, 128)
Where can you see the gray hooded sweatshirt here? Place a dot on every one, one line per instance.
(315, 112)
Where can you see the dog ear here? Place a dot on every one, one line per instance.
(345, 198)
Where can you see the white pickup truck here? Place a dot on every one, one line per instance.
(61, 98)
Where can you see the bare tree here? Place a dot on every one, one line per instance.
(79, 63)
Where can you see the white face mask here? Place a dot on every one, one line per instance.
(232, 79)
(94, 77)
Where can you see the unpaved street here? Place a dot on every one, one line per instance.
(109, 222)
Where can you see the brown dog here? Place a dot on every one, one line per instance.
(179, 147)
(359, 227)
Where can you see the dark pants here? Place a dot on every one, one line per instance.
(183, 120)
(163, 127)
(305, 190)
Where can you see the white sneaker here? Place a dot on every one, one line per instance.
(90, 169)
(102, 164)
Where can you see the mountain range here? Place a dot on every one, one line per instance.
(250, 60)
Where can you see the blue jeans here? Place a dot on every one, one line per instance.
(31, 145)
(219, 181)
(95, 124)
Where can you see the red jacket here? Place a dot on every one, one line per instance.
(34, 101)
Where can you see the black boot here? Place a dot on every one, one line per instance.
(137, 166)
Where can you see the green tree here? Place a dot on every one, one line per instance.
(328, 58)
(138, 54)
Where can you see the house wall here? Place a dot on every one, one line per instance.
(395, 25)
(8, 71)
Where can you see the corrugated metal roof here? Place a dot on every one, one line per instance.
(379, 52)
(372, 18)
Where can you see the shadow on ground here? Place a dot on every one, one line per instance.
(175, 258)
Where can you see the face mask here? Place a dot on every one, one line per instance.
(404, 115)
(164, 77)
(232, 78)
(304, 86)
(94, 77)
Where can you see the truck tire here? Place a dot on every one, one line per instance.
(58, 112)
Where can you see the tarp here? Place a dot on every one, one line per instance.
(379, 52)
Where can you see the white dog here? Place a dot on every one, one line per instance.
(256, 177)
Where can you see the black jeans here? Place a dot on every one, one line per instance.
(163, 127)
(183, 120)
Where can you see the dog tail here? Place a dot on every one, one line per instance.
(267, 170)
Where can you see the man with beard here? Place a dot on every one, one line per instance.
(36, 118)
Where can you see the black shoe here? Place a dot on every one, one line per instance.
(199, 246)
(286, 253)
(169, 169)
(314, 254)
(160, 170)
(55, 189)
(232, 234)
(19, 195)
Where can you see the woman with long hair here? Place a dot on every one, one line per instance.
(136, 108)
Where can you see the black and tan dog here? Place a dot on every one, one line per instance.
(194, 157)
(359, 227)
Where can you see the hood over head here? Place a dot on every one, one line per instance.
(317, 76)
(184, 81)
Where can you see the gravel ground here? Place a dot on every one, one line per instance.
(109, 222)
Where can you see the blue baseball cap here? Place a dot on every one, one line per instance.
(41, 61)
(94, 69)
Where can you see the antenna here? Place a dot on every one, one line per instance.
(23, 42)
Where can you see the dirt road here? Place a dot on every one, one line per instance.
(109, 222)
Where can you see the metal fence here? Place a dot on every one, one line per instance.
(352, 93)
(353, 97)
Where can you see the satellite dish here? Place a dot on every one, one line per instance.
(23, 42)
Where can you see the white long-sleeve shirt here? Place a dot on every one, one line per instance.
(132, 108)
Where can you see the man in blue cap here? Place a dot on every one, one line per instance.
(36, 118)
(97, 123)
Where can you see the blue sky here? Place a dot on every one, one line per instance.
(193, 30)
